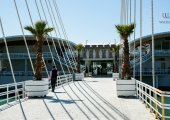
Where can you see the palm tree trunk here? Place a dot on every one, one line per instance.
(38, 63)
(78, 63)
(126, 64)
(113, 69)
(116, 64)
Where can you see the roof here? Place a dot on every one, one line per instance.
(148, 38)
(29, 37)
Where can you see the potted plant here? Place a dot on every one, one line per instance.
(115, 73)
(125, 85)
(79, 75)
(38, 86)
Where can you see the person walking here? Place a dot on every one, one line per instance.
(54, 74)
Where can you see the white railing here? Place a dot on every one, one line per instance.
(162, 52)
(147, 56)
(63, 79)
(158, 101)
(29, 73)
(8, 92)
(157, 72)
(23, 55)
(33, 55)
(21, 73)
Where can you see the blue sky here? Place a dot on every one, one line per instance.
(91, 20)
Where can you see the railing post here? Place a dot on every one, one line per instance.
(57, 81)
(146, 97)
(7, 96)
(143, 92)
(74, 75)
(155, 104)
(16, 93)
(150, 102)
(136, 89)
(67, 80)
(23, 90)
(163, 110)
(140, 92)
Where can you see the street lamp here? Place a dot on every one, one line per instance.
(86, 42)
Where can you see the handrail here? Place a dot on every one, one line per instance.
(155, 99)
(157, 52)
(45, 55)
(147, 56)
(33, 55)
(63, 79)
(157, 72)
(8, 93)
(20, 73)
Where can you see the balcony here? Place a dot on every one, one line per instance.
(23, 55)
(148, 72)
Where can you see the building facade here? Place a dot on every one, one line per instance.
(21, 62)
(162, 59)
(98, 59)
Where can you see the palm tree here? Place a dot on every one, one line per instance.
(79, 47)
(40, 31)
(125, 31)
(116, 51)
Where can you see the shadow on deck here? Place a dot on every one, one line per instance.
(94, 98)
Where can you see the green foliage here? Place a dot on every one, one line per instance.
(125, 31)
(40, 31)
(79, 47)
(116, 49)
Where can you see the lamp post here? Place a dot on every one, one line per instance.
(86, 42)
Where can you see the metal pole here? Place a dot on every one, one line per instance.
(12, 71)
(130, 10)
(121, 13)
(140, 40)
(86, 42)
(153, 56)
(127, 11)
(134, 64)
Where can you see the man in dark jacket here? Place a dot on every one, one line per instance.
(53, 78)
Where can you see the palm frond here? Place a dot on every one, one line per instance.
(79, 47)
(125, 30)
(30, 29)
(116, 49)
(47, 30)
(39, 25)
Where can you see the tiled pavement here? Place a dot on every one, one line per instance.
(92, 99)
